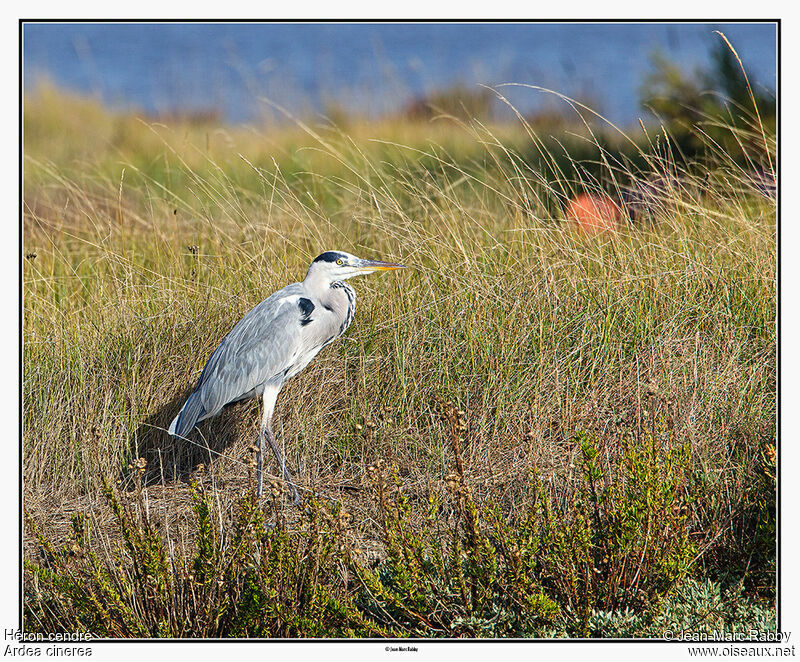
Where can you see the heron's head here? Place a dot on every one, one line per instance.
(338, 265)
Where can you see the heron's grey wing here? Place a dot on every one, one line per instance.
(262, 346)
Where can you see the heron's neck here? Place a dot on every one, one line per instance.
(315, 283)
(343, 297)
(324, 289)
(340, 284)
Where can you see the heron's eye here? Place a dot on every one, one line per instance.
(340, 262)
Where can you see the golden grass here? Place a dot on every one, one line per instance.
(151, 241)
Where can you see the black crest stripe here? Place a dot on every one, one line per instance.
(329, 256)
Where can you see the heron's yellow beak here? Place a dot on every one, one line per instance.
(376, 265)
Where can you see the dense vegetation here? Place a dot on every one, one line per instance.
(532, 432)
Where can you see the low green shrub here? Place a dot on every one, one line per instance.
(610, 558)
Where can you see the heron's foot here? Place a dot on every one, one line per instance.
(297, 500)
(275, 491)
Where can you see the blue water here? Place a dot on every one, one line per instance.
(370, 68)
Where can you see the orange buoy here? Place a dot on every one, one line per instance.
(593, 214)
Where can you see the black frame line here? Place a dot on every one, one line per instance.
(776, 21)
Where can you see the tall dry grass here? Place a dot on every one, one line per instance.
(146, 246)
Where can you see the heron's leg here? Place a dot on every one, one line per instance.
(270, 396)
(284, 470)
(260, 465)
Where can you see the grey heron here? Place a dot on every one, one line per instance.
(272, 343)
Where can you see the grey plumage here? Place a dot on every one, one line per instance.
(275, 341)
